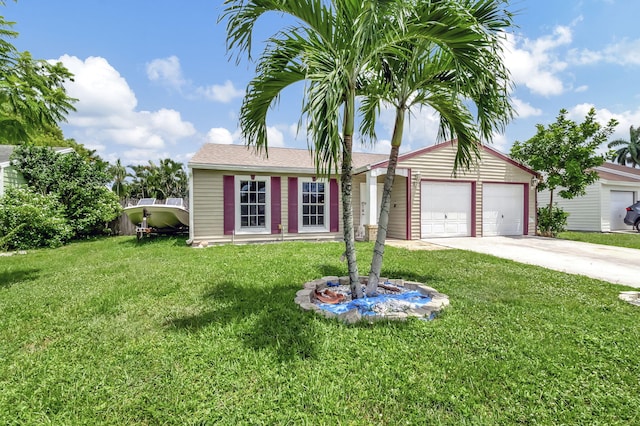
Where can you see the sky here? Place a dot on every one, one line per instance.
(153, 78)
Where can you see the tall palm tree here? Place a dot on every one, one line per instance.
(172, 178)
(629, 151)
(119, 175)
(448, 75)
(331, 47)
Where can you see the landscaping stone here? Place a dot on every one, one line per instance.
(390, 308)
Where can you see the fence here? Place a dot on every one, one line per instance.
(122, 225)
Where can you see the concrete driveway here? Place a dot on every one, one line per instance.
(613, 264)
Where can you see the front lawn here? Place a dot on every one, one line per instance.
(609, 239)
(116, 332)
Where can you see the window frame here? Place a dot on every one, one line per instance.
(239, 229)
(326, 206)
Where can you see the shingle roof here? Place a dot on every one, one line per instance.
(240, 157)
(618, 168)
(618, 173)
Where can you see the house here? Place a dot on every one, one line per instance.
(238, 196)
(602, 208)
(9, 176)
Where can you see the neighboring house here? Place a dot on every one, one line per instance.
(238, 196)
(602, 208)
(9, 176)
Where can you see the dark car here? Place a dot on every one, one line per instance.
(633, 216)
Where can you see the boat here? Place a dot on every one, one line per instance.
(150, 213)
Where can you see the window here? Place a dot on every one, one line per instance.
(252, 205)
(313, 205)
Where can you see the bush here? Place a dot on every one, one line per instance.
(550, 223)
(91, 209)
(79, 185)
(29, 220)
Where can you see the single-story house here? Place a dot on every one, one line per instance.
(236, 195)
(9, 176)
(602, 208)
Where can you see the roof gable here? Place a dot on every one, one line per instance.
(438, 146)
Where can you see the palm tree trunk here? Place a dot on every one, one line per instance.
(346, 180)
(383, 221)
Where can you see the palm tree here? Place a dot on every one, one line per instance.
(629, 151)
(172, 178)
(331, 47)
(119, 174)
(448, 75)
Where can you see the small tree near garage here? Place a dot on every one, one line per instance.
(565, 153)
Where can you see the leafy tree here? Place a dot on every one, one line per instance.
(565, 153)
(448, 72)
(29, 219)
(32, 94)
(78, 184)
(629, 151)
(332, 47)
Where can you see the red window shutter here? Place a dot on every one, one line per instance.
(229, 200)
(293, 206)
(334, 206)
(276, 205)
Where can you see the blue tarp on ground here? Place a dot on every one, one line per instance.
(366, 305)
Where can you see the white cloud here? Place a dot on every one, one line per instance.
(625, 120)
(106, 113)
(624, 52)
(382, 146)
(524, 110)
(221, 93)
(98, 86)
(166, 71)
(535, 64)
(169, 123)
(275, 138)
(220, 135)
(499, 142)
(581, 89)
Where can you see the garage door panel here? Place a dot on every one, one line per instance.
(619, 201)
(502, 209)
(445, 209)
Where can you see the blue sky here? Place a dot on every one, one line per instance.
(153, 78)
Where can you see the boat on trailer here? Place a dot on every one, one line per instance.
(153, 216)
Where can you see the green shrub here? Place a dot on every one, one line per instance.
(550, 223)
(30, 220)
(90, 210)
(79, 185)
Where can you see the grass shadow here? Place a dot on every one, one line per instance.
(268, 318)
(8, 278)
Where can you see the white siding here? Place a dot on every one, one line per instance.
(592, 211)
(584, 212)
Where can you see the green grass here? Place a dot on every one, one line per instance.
(609, 239)
(115, 332)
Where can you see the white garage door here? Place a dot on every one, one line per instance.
(445, 209)
(620, 200)
(502, 209)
